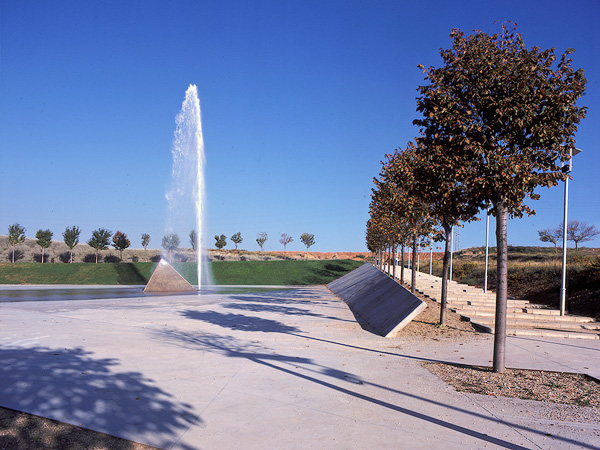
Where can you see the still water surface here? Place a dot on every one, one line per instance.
(34, 294)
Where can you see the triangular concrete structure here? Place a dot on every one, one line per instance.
(167, 279)
(380, 304)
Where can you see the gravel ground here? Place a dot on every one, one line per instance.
(424, 325)
(555, 396)
(21, 431)
(556, 387)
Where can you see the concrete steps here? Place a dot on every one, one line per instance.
(523, 318)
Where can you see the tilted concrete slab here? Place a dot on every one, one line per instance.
(167, 279)
(379, 303)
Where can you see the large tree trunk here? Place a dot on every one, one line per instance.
(501, 287)
(445, 268)
(413, 282)
(13, 254)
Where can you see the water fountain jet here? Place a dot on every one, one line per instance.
(186, 192)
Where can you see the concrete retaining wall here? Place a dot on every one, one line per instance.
(379, 303)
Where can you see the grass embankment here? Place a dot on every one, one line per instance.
(535, 274)
(224, 272)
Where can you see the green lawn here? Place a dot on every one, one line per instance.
(224, 272)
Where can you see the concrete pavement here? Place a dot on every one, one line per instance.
(278, 369)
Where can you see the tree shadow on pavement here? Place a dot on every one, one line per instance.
(70, 385)
(304, 296)
(240, 321)
(329, 377)
(278, 309)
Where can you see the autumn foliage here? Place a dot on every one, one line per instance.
(498, 120)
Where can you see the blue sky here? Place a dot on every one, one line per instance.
(300, 101)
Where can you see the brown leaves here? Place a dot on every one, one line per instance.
(495, 97)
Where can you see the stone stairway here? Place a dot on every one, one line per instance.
(523, 318)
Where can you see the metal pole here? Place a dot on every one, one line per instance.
(563, 287)
(418, 254)
(487, 242)
(430, 256)
(451, 251)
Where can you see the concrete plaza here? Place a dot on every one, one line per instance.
(285, 368)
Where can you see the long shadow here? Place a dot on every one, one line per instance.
(561, 344)
(286, 310)
(233, 348)
(72, 386)
(304, 297)
(240, 322)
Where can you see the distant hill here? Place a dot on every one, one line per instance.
(58, 252)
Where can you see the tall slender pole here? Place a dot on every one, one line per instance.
(487, 242)
(430, 256)
(451, 252)
(394, 260)
(563, 286)
(418, 253)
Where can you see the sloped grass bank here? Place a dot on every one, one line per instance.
(283, 273)
(76, 273)
(224, 272)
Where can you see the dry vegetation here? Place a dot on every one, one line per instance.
(534, 274)
(58, 252)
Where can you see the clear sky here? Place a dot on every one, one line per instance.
(300, 101)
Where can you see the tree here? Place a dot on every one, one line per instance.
(285, 240)
(307, 240)
(237, 239)
(194, 241)
(550, 235)
(399, 194)
(386, 228)
(261, 239)
(71, 238)
(16, 235)
(581, 232)
(170, 243)
(120, 242)
(145, 242)
(221, 241)
(44, 240)
(449, 200)
(510, 118)
(100, 240)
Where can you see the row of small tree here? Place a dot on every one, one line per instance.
(100, 240)
(306, 238)
(498, 120)
(576, 231)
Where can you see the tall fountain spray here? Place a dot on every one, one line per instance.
(186, 193)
